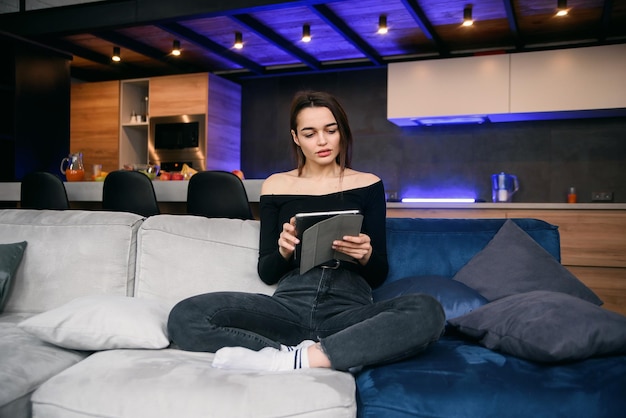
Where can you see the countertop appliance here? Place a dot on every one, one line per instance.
(177, 140)
(503, 187)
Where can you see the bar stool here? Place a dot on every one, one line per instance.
(129, 191)
(41, 190)
(217, 194)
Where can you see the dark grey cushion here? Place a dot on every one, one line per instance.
(455, 298)
(512, 263)
(545, 326)
(10, 258)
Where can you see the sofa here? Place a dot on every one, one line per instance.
(86, 295)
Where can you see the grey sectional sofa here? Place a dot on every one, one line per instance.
(83, 331)
(91, 262)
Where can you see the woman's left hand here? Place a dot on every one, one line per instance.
(358, 247)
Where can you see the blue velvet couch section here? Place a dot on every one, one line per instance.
(442, 246)
(455, 377)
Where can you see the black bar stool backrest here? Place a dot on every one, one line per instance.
(217, 194)
(129, 191)
(41, 190)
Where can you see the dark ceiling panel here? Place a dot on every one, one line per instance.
(404, 36)
(326, 44)
(421, 19)
(348, 33)
(343, 33)
(222, 30)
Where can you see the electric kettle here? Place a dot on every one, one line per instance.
(72, 167)
(503, 187)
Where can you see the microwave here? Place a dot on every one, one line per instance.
(174, 140)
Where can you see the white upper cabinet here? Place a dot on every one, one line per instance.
(570, 79)
(451, 87)
(579, 82)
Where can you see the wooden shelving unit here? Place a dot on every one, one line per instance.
(133, 136)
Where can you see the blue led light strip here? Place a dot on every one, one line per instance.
(436, 200)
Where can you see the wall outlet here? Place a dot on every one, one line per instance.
(601, 196)
(392, 196)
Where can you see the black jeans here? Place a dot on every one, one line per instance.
(331, 306)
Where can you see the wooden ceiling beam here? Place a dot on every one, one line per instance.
(83, 52)
(605, 21)
(145, 50)
(513, 26)
(183, 32)
(344, 30)
(276, 39)
(427, 28)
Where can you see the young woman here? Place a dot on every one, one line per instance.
(326, 316)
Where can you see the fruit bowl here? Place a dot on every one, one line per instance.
(150, 170)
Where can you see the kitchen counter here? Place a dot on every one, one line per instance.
(512, 205)
(91, 191)
(176, 192)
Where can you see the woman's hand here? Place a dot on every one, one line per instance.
(359, 247)
(287, 240)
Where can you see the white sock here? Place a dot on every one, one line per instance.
(303, 344)
(267, 359)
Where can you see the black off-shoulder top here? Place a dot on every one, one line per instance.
(278, 209)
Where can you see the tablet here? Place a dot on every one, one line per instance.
(305, 220)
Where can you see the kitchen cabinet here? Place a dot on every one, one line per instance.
(94, 123)
(567, 83)
(569, 79)
(179, 95)
(593, 242)
(204, 94)
(102, 128)
(446, 88)
(223, 125)
(215, 99)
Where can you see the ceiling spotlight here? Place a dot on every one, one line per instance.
(561, 8)
(238, 40)
(176, 48)
(382, 24)
(467, 16)
(116, 54)
(306, 33)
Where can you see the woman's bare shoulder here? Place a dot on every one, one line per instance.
(360, 179)
(278, 183)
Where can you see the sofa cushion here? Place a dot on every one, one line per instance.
(456, 298)
(103, 322)
(176, 383)
(514, 263)
(70, 253)
(454, 378)
(546, 326)
(10, 258)
(181, 256)
(25, 363)
(422, 247)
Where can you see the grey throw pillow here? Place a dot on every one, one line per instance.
(545, 326)
(10, 258)
(512, 263)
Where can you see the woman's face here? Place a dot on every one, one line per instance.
(317, 135)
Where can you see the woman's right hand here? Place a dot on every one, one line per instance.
(287, 240)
